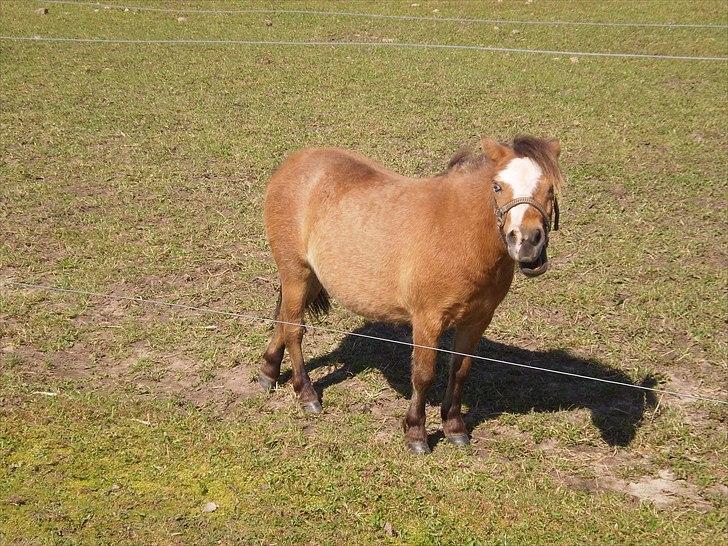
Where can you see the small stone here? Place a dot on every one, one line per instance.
(574, 60)
(114, 487)
(209, 507)
(42, 11)
(181, 19)
(389, 530)
(268, 23)
(415, 5)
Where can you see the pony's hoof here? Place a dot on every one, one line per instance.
(459, 440)
(266, 383)
(418, 448)
(313, 407)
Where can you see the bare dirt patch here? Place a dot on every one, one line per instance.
(663, 490)
(147, 373)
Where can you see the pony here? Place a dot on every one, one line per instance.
(435, 253)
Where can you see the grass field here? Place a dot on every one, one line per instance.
(139, 170)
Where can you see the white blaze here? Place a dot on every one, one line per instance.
(522, 175)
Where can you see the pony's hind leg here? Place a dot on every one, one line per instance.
(270, 367)
(297, 292)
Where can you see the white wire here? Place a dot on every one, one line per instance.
(355, 334)
(358, 44)
(386, 16)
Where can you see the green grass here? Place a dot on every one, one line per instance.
(87, 468)
(139, 170)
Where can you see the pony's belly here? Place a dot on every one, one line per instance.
(361, 289)
(372, 309)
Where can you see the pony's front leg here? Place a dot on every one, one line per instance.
(466, 339)
(423, 374)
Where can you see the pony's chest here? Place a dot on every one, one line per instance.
(476, 298)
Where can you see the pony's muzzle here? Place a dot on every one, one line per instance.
(535, 267)
(525, 245)
(528, 248)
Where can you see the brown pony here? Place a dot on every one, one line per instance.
(435, 253)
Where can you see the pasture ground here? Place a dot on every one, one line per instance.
(139, 170)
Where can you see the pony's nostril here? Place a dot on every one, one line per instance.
(511, 236)
(536, 236)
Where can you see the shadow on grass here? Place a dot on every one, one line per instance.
(493, 389)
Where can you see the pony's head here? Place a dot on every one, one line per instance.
(526, 184)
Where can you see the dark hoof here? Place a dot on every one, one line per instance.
(266, 383)
(312, 407)
(459, 440)
(418, 448)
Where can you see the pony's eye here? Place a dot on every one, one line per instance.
(496, 187)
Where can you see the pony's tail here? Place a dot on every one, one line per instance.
(320, 305)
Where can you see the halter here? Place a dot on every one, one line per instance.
(500, 212)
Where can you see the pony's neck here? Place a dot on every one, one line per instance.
(479, 206)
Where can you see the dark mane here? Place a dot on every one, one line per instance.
(540, 151)
(465, 159)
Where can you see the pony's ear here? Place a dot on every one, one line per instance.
(555, 146)
(494, 149)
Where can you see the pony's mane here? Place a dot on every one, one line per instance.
(524, 146)
(465, 159)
